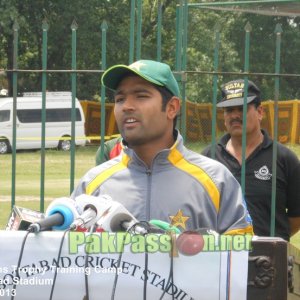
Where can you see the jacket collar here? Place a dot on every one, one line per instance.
(267, 141)
(161, 157)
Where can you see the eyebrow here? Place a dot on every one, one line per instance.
(134, 91)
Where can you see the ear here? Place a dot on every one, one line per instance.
(260, 111)
(173, 107)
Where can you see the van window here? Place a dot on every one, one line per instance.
(4, 115)
(52, 115)
(61, 115)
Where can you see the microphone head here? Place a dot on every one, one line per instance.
(100, 204)
(67, 208)
(67, 214)
(115, 214)
(116, 222)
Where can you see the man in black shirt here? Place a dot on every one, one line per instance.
(258, 173)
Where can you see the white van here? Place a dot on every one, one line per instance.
(29, 122)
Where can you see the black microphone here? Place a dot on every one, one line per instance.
(118, 218)
(59, 216)
(56, 219)
(123, 221)
(139, 227)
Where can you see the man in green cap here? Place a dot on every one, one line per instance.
(156, 176)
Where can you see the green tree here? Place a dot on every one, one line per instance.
(262, 51)
(89, 16)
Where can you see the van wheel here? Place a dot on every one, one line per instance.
(4, 146)
(64, 145)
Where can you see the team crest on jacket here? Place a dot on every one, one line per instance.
(179, 219)
(263, 173)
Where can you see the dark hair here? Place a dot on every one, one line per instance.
(165, 94)
(256, 102)
(166, 97)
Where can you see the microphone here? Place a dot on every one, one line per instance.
(59, 216)
(90, 208)
(21, 218)
(118, 218)
(109, 215)
(165, 226)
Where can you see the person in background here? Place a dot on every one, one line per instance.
(156, 176)
(112, 148)
(258, 174)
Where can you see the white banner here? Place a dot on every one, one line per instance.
(207, 275)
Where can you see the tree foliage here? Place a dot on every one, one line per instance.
(89, 16)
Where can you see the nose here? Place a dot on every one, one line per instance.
(128, 104)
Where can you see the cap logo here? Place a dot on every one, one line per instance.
(234, 95)
(137, 65)
(234, 85)
(234, 90)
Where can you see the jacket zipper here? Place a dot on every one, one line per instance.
(148, 199)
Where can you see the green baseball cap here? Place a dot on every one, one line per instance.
(153, 71)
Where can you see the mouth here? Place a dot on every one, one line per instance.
(130, 122)
(236, 123)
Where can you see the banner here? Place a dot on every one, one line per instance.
(105, 258)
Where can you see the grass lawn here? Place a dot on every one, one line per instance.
(57, 172)
(28, 170)
(57, 177)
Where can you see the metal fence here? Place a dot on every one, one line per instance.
(180, 72)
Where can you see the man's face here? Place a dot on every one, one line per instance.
(233, 117)
(138, 112)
